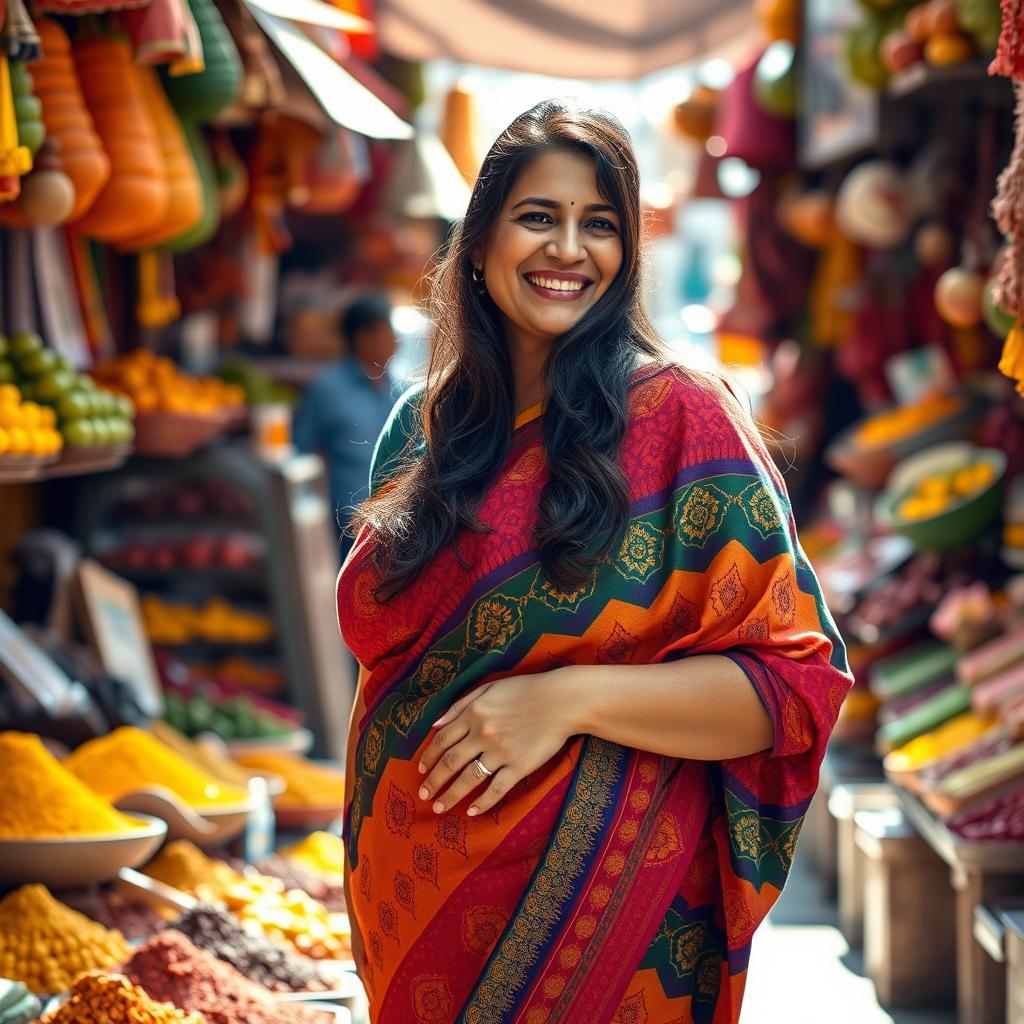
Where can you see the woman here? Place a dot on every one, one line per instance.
(597, 672)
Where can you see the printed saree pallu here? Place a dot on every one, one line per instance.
(612, 885)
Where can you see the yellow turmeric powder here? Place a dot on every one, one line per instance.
(41, 799)
(182, 865)
(44, 944)
(130, 759)
(99, 998)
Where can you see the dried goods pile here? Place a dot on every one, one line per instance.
(277, 967)
(171, 968)
(130, 759)
(41, 799)
(102, 998)
(44, 944)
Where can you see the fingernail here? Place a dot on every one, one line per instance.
(424, 792)
(438, 807)
(422, 768)
(437, 723)
(472, 812)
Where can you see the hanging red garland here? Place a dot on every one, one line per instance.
(1010, 52)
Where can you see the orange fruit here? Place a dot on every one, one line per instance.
(5, 442)
(9, 394)
(20, 442)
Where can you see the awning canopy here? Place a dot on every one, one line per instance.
(599, 39)
(345, 100)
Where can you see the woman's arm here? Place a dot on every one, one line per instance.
(702, 707)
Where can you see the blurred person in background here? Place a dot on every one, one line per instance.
(345, 408)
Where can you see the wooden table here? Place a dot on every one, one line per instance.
(981, 873)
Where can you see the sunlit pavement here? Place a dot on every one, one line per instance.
(803, 972)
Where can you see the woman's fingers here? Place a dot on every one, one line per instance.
(499, 784)
(468, 780)
(452, 761)
(446, 738)
(460, 705)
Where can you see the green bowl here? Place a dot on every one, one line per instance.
(963, 520)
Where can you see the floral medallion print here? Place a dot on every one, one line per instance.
(641, 554)
(495, 621)
(698, 515)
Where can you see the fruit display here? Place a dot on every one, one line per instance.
(26, 428)
(232, 550)
(155, 384)
(936, 493)
(234, 718)
(88, 416)
(171, 622)
(895, 425)
(940, 33)
(1000, 819)
(185, 501)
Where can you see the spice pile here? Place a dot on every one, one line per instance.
(101, 998)
(331, 894)
(307, 785)
(172, 968)
(41, 799)
(322, 853)
(130, 759)
(133, 918)
(262, 904)
(277, 967)
(44, 944)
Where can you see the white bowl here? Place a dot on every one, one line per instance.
(70, 861)
(209, 827)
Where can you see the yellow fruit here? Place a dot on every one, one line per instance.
(948, 48)
(934, 486)
(49, 417)
(20, 442)
(9, 394)
(31, 415)
(5, 442)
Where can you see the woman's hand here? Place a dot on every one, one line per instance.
(513, 726)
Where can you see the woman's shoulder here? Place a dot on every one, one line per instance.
(693, 396)
(402, 430)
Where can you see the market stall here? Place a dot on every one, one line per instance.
(882, 275)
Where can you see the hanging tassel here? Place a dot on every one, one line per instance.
(1010, 52)
(1008, 213)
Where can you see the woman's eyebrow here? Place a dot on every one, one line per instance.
(553, 204)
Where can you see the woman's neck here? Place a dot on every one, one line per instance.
(527, 356)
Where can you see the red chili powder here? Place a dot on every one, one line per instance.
(172, 969)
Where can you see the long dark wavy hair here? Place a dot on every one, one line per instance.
(468, 404)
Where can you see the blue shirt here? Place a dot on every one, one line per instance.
(341, 415)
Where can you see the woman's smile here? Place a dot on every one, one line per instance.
(557, 287)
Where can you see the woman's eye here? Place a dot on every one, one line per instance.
(535, 218)
(603, 225)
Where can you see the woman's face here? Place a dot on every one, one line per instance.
(554, 250)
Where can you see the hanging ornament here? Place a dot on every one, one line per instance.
(874, 207)
(958, 295)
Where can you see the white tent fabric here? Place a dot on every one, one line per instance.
(345, 100)
(597, 39)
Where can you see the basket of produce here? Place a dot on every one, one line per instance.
(867, 452)
(945, 497)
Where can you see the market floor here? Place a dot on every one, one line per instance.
(803, 972)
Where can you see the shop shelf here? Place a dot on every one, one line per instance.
(17, 469)
(78, 461)
(960, 82)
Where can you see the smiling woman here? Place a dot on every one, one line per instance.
(597, 673)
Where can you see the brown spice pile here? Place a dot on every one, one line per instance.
(171, 968)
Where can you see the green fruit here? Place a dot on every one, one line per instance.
(80, 433)
(35, 364)
(27, 108)
(24, 342)
(863, 53)
(999, 322)
(28, 390)
(97, 403)
(100, 430)
(50, 386)
(73, 405)
(775, 80)
(125, 407)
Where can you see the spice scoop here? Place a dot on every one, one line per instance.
(160, 891)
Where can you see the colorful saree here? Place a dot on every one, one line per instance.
(613, 885)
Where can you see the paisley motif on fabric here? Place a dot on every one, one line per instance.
(559, 600)
(784, 601)
(728, 594)
(399, 811)
(620, 646)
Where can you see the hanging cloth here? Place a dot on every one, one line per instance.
(20, 39)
